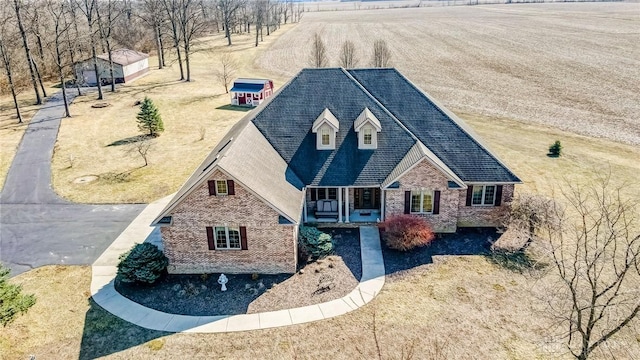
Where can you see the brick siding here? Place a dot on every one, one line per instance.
(272, 247)
(483, 216)
(426, 176)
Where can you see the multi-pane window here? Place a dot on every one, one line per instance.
(324, 193)
(483, 195)
(227, 238)
(221, 187)
(421, 201)
(367, 136)
(326, 140)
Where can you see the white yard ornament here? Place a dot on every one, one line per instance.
(222, 280)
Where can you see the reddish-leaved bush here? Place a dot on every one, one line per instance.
(406, 232)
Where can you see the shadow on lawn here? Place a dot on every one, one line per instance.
(472, 241)
(235, 108)
(105, 334)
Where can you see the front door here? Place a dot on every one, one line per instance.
(367, 198)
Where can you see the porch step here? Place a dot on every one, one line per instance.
(341, 225)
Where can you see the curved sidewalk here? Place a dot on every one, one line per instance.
(105, 295)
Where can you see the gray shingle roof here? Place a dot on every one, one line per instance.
(440, 131)
(287, 120)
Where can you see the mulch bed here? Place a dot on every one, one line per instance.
(199, 295)
(472, 241)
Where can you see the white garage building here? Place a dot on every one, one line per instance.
(128, 65)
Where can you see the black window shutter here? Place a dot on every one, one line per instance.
(212, 187)
(210, 240)
(231, 190)
(407, 202)
(498, 195)
(314, 194)
(469, 194)
(436, 202)
(243, 238)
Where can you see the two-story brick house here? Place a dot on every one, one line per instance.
(333, 145)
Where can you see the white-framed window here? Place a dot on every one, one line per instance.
(367, 136)
(421, 201)
(227, 238)
(326, 136)
(483, 195)
(221, 187)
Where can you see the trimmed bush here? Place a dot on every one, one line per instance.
(555, 150)
(406, 232)
(313, 243)
(12, 301)
(144, 263)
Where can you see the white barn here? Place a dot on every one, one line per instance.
(128, 65)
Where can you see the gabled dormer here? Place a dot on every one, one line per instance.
(367, 126)
(326, 127)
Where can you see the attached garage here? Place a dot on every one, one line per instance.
(128, 65)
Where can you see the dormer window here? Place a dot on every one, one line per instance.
(367, 126)
(326, 127)
(326, 139)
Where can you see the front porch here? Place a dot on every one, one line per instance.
(343, 205)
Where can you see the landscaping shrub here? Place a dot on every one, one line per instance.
(555, 150)
(313, 243)
(406, 232)
(144, 263)
(12, 301)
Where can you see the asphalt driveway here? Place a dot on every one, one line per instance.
(37, 227)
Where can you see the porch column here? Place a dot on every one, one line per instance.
(346, 208)
(381, 204)
(339, 204)
(304, 211)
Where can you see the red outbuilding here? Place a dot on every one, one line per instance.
(250, 92)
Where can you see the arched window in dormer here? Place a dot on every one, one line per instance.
(367, 126)
(326, 127)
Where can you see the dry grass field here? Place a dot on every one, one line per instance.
(571, 66)
(489, 311)
(89, 142)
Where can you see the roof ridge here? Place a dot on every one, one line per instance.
(377, 102)
(456, 121)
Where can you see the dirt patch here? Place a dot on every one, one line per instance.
(100, 105)
(85, 179)
(199, 295)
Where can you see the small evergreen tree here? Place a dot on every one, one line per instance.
(149, 118)
(144, 263)
(12, 301)
(555, 150)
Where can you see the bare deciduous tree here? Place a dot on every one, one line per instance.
(348, 58)
(141, 148)
(88, 9)
(227, 70)
(172, 9)
(228, 9)
(25, 44)
(59, 10)
(107, 12)
(381, 54)
(318, 56)
(597, 258)
(8, 43)
(192, 23)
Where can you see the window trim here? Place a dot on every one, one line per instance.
(227, 238)
(422, 193)
(226, 187)
(482, 199)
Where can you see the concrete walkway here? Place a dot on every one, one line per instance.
(105, 295)
(37, 227)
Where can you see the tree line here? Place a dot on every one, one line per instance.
(41, 40)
